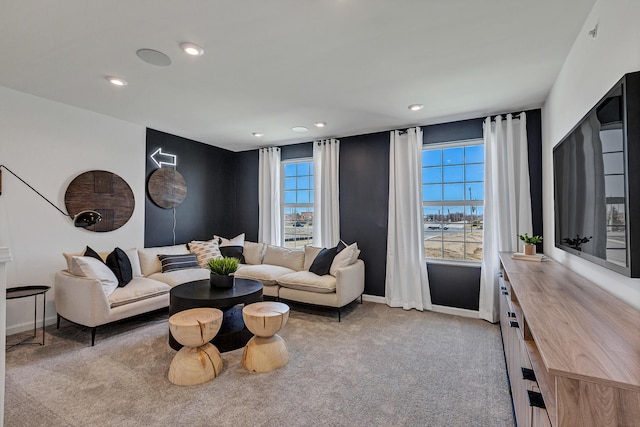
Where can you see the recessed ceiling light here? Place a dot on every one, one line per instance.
(257, 134)
(415, 107)
(320, 124)
(192, 49)
(300, 129)
(116, 81)
(154, 57)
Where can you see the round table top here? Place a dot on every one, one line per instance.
(201, 290)
(26, 291)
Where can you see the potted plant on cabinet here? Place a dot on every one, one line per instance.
(530, 243)
(222, 271)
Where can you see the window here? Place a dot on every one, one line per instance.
(452, 200)
(297, 206)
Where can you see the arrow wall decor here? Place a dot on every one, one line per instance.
(164, 159)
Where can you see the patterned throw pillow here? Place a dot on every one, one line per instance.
(178, 262)
(205, 250)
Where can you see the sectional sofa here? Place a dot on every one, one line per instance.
(87, 292)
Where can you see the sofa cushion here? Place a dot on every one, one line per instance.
(284, 257)
(139, 288)
(347, 256)
(265, 273)
(205, 250)
(149, 262)
(178, 262)
(253, 252)
(322, 263)
(92, 268)
(232, 248)
(308, 281)
(119, 263)
(179, 277)
(310, 253)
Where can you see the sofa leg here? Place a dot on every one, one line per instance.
(361, 298)
(93, 336)
(58, 322)
(338, 314)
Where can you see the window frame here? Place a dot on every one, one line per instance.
(457, 203)
(284, 205)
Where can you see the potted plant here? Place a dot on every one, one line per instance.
(530, 243)
(222, 271)
(577, 242)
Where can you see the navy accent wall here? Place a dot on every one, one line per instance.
(209, 207)
(223, 199)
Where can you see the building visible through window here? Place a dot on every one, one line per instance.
(452, 200)
(297, 206)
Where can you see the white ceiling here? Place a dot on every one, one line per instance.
(270, 65)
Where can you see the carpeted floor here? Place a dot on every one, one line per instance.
(378, 367)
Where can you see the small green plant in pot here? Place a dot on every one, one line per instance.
(222, 271)
(530, 243)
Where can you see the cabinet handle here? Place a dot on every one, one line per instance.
(505, 293)
(511, 314)
(528, 374)
(513, 324)
(503, 288)
(535, 399)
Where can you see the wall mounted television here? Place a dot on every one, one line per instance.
(597, 182)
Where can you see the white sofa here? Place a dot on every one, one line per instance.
(283, 272)
(285, 275)
(82, 299)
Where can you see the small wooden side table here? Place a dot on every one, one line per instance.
(266, 351)
(31, 291)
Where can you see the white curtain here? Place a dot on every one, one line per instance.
(507, 201)
(269, 225)
(326, 199)
(407, 284)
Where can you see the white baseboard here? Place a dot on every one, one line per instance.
(455, 311)
(28, 326)
(437, 308)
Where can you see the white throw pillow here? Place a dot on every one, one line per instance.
(344, 258)
(95, 269)
(253, 252)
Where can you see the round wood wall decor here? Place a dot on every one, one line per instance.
(104, 192)
(167, 188)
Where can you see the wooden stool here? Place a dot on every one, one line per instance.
(266, 351)
(198, 361)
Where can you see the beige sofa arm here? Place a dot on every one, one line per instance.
(81, 299)
(350, 282)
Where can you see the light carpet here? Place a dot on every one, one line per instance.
(380, 366)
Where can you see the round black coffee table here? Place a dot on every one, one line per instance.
(233, 333)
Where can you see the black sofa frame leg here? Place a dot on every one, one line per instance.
(58, 322)
(93, 336)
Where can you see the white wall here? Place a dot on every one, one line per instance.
(590, 70)
(48, 144)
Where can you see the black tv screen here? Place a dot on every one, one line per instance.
(591, 185)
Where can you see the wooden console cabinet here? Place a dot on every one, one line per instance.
(579, 347)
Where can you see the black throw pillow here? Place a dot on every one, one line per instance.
(119, 263)
(322, 262)
(93, 254)
(233, 252)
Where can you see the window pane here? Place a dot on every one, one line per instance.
(475, 191)
(453, 156)
(432, 248)
(290, 169)
(431, 175)
(474, 173)
(453, 191)
(303, 182)
(303, 196)
(289, 183)
(303, 168)
(432, 193)
(432, 157)
(474, 154)
(453, 250)
(453, 174)
(289, 197)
